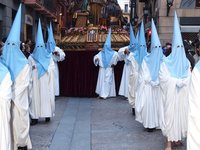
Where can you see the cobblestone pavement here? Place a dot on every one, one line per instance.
(94, 124)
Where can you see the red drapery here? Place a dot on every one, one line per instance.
(78, 74)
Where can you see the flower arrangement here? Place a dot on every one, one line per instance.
(103, 29)
(77, 30)
(118, 30)
(114, 29)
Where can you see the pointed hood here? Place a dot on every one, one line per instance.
(51, 44)
(107, 52)
(142, 44)
(14, 35)
(39, 36)
(12, 56)
(3, 71)
(137, 36)
(40, 54)
(153, 59)
(177, 62)
(133, 42)
(133, 46)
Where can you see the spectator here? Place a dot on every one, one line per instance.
(27, 50)
(197, 55)
(167, 49)
(188, 54)
(194, 43)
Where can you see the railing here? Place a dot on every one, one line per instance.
(49, 5)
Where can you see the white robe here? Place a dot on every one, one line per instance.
(34, 90)
(123, 89)
(106, 82)
(5, 116)
(175, 104)
(57, 59)
(147, 95)
(20, 109)
(193, 135)
(133, 79)
(47, 95)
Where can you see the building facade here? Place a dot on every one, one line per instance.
(188, 12)
(125, 6)
(32, 10)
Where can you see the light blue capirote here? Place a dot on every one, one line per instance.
(142, 44)
(3, 71)
(51, 44)
(176, 62)
(107, 52)
(133, 42)
(133, 46)
(153, 59)
(12, 56)
(137, 36)
(40, 54)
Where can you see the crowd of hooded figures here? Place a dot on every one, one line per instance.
(163, 90)
(28, 86)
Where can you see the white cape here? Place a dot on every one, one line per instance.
(133, 79)
(47, 95)
(20, 109)
(5, 103)
(34, 90)
(123, 89)
(193, 136)
(106, 82)
(147, 96)
(175, 104)
(57, 58)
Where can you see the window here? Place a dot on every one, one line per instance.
(197, 3)
(126, 8)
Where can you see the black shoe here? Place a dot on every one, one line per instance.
(34, 122)
(22, 148)
(150, 129)
(133, 111)
(47, 119)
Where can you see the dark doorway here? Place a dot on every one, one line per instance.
(29, 30)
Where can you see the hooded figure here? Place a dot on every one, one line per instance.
(5, 103)
(51, 44)
(18, 66)
(106, 59)
(126, 54)
(193, 133)
(42, 85)
(148, 91)
(40, 53)
(58, 55)
(130, 56)
(174, 81)
(142, 44)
